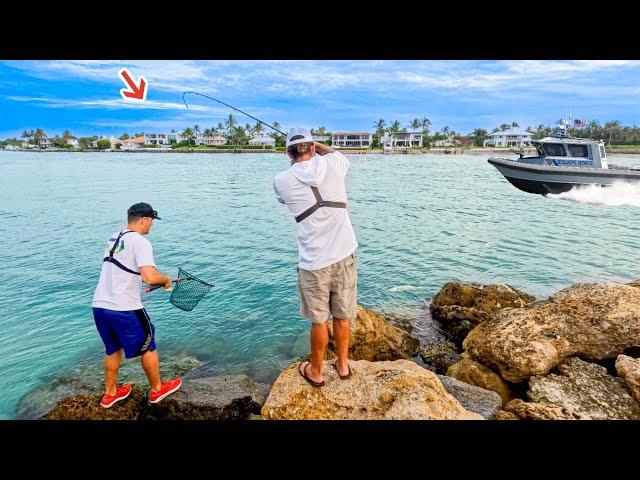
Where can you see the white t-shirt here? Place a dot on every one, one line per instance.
(118, 289)
(326, 236)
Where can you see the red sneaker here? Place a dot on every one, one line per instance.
(122, 392)
(166, 388)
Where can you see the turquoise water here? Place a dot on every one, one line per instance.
(421, 221)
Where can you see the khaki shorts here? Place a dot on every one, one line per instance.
(330, 289)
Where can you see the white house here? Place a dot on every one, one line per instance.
(72, 141)
(45, 142)
(351, 139)
(513, 137)
(212, 140)
(390, 141)
(157, 138)
(264, 140)
(175, 137)
(113, 140)
(448, 141)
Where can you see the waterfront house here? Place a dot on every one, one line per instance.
(156, 139)
(212, 140)
(402, 140)
(45, 142)
(175, 137)
(448, 141)
(113, 140)
(72, 141)
(128, 145)
(351, 140)
(264, 140)
(513, 137)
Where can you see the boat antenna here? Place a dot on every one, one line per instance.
(230, 106)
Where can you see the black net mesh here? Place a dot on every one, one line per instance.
(188, 291)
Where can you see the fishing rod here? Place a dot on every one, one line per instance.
(236, 109)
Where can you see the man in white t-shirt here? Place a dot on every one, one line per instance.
(313, 189)
(121, 320)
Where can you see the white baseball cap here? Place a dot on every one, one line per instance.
(299, 131)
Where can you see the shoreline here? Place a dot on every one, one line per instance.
(433, 151)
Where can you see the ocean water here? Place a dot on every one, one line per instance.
(420, 220)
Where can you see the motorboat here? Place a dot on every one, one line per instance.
(563, 162)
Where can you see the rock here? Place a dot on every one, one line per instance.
(629, 370)
(522, 410)
(595, 321)
(475, 399)
(474, 373)
(87, 407)
(441, 355)
(391, 390)
(86, 378)
(585, 388)
(374, 339)
(231, 397)
(502, 415)
(460, 307)
(403, 322)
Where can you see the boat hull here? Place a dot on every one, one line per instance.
(543, 180)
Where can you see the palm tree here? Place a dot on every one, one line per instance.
(395, 127)
(67, 134)
(124, 136)
(258, 129)
(415, 124)
(220, 128)
(426, 123)
(504, 127)
(188, 134)
(445, 131)
(479, 136)
(38, 135)
(515, 125)
(231, 122)
(27, 134)
(196, 131)
(380, 125)
(249, 129)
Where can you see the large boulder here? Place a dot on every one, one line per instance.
(595, 321)
(585, 388)
(440, 355)
(518, 409)
(628, 369)
(374, 339)
(474, 399)
(460, 307)
(474, 373)
(231, 397)
(398, 390)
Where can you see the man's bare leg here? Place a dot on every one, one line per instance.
(341, 331)
(151, 366)
(319, 342)
(111, 368)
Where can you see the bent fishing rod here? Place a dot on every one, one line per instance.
(234, 108)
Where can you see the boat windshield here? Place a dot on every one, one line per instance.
(539, 149)
(555, 149)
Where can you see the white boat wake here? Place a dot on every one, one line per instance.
(618, 194)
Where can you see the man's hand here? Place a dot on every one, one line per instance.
(168, 285)
(322, 149)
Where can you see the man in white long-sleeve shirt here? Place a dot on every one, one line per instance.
(313, 189)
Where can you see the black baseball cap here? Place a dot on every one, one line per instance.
(142, 210)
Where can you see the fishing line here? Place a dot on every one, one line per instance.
(230, 106)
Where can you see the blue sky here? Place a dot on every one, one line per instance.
(83, 96)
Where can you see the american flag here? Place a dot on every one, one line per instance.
(579, 123)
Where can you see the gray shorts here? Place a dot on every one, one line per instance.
(332, 289)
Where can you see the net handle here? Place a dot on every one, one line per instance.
(155, 287)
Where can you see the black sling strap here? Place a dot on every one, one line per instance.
(319, 203)
(110, 258)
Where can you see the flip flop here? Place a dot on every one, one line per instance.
(343, 377)
(303, 372)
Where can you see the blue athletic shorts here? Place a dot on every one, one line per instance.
(131, 330)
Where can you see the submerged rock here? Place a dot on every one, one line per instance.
(395, 390)
(595, 321)
(87, 407)
(460, 307)
(585, 388)
(86, 378)
(441, 355)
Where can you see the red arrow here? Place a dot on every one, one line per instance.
(137, 92)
